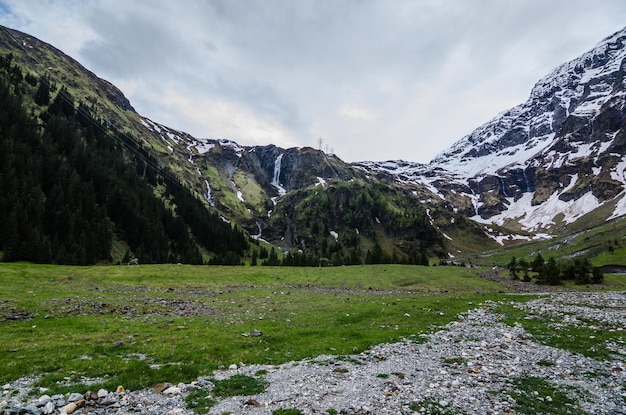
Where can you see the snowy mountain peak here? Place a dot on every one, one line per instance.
(574, 92)
(545, 163)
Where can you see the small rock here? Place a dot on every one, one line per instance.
(252, 402)
(48, 408)
(102, 393)
(69, 408)
(232, 367)
(31, 408)
(172, 390)
(91, 396)
(74, 397)
(160, 387)
(43, 400)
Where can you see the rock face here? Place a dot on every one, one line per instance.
(546, 162)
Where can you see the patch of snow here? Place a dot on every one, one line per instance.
(204, 148)
(619, 173)
(620, 207)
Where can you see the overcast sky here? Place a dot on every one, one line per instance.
(376, 80)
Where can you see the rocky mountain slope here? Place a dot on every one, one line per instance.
(547, 162)
(269, 191)
(529, 172)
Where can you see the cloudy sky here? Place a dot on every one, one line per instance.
(376, 80)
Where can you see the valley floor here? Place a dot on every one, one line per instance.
(474, 365)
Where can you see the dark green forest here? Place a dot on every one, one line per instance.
(363, 215)
(70, 186)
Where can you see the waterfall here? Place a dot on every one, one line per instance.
(503, 187)
(276, 178)
(258, 236)
(475, 198)
(526, 181)
(207, 195)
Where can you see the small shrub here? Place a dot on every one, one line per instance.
(199, 401)
(238, 385)
(454, 360)
(547, 363)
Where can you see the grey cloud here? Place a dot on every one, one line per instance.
(416, 66)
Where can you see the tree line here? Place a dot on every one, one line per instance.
(553, 272)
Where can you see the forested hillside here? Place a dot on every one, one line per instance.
(71, 187)
(354, 222)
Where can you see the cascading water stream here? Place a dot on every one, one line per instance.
(503, 187)
(526, 180)
(276, 177)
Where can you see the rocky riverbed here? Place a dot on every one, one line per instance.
(475, 365)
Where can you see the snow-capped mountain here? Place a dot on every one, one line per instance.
(562, 103)
(546, 162)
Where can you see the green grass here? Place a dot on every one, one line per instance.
(238, 385)
(200, 401)
(535, 395)
(142, 325)
(604, 244)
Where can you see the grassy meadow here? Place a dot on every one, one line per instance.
(82, 328)
(141, 325)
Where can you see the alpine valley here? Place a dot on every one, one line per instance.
(552, 166)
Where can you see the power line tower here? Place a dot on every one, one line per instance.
(319, 143)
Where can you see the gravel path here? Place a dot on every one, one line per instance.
(465, 368)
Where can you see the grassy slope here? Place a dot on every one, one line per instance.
(604, 244)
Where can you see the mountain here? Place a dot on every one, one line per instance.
(531, 172)
(545, 163)
(299, 199)
(76, 190)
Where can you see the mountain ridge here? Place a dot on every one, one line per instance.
(559, 152)
(566, 164)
